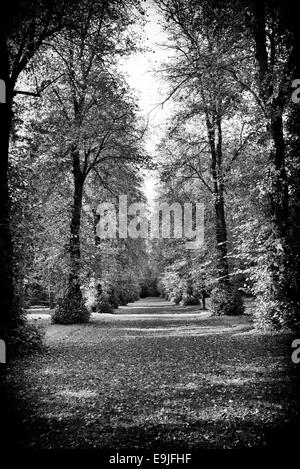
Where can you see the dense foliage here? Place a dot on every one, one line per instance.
(232, 142)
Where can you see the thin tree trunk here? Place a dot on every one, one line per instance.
(95, 223)
(279, 193)
(9, 308)
(51, 299)
(215, 132)
(221, 227)
(72, 309)
(221, 237)
(74, 246)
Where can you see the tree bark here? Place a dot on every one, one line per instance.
(95, 223)
(279, 193)
(282, 258)
(9, 308)
(51, 299)
(215, 141)
(274, 107)
(221, 237)
(74, 246)
(72, 309)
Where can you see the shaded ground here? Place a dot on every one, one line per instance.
(154, 375)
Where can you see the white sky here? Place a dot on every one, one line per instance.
(149, 89)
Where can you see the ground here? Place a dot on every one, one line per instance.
(155, 375)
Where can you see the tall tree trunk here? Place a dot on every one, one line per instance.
(74, 246)
(274, 107)
(9, 309)
(51, 299)
(215, 141)
(95, 223)
(72, 310)
(221, 237)
(282, 288)
(221, 228)
(280, 261)
(279, 192)
(293, 127)
(225, 298)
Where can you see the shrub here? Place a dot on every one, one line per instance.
(90, 297)
(144, 291)
(122, 299)
(226, 300)
(275, 314)
(176, 297)
(276, 307)
(123, 292)
(72, 309)
(27, 304)
(23, 340)
(103, 305)
(189, 300)
(113, 297)
(132, 296)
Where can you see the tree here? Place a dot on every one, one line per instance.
(209, 98)
(30, 26)
(263, 34)
(98, 120)
(24, 29)
(277, 48)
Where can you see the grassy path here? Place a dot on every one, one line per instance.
(154, 375)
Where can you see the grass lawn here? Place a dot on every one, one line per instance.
(155, 375)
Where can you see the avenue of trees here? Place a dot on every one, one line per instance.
(72, 136)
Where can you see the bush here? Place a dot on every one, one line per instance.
(135, 296)
(276, 305)
(108, 295)
(275, 314)
(132, 296)
(102, 304)
(113, 297)
(189, 300)
(144, 291)
(176, 297)
(226, 300)
(122, 299)
(71, 310)
(24, 339)
(27, 304)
